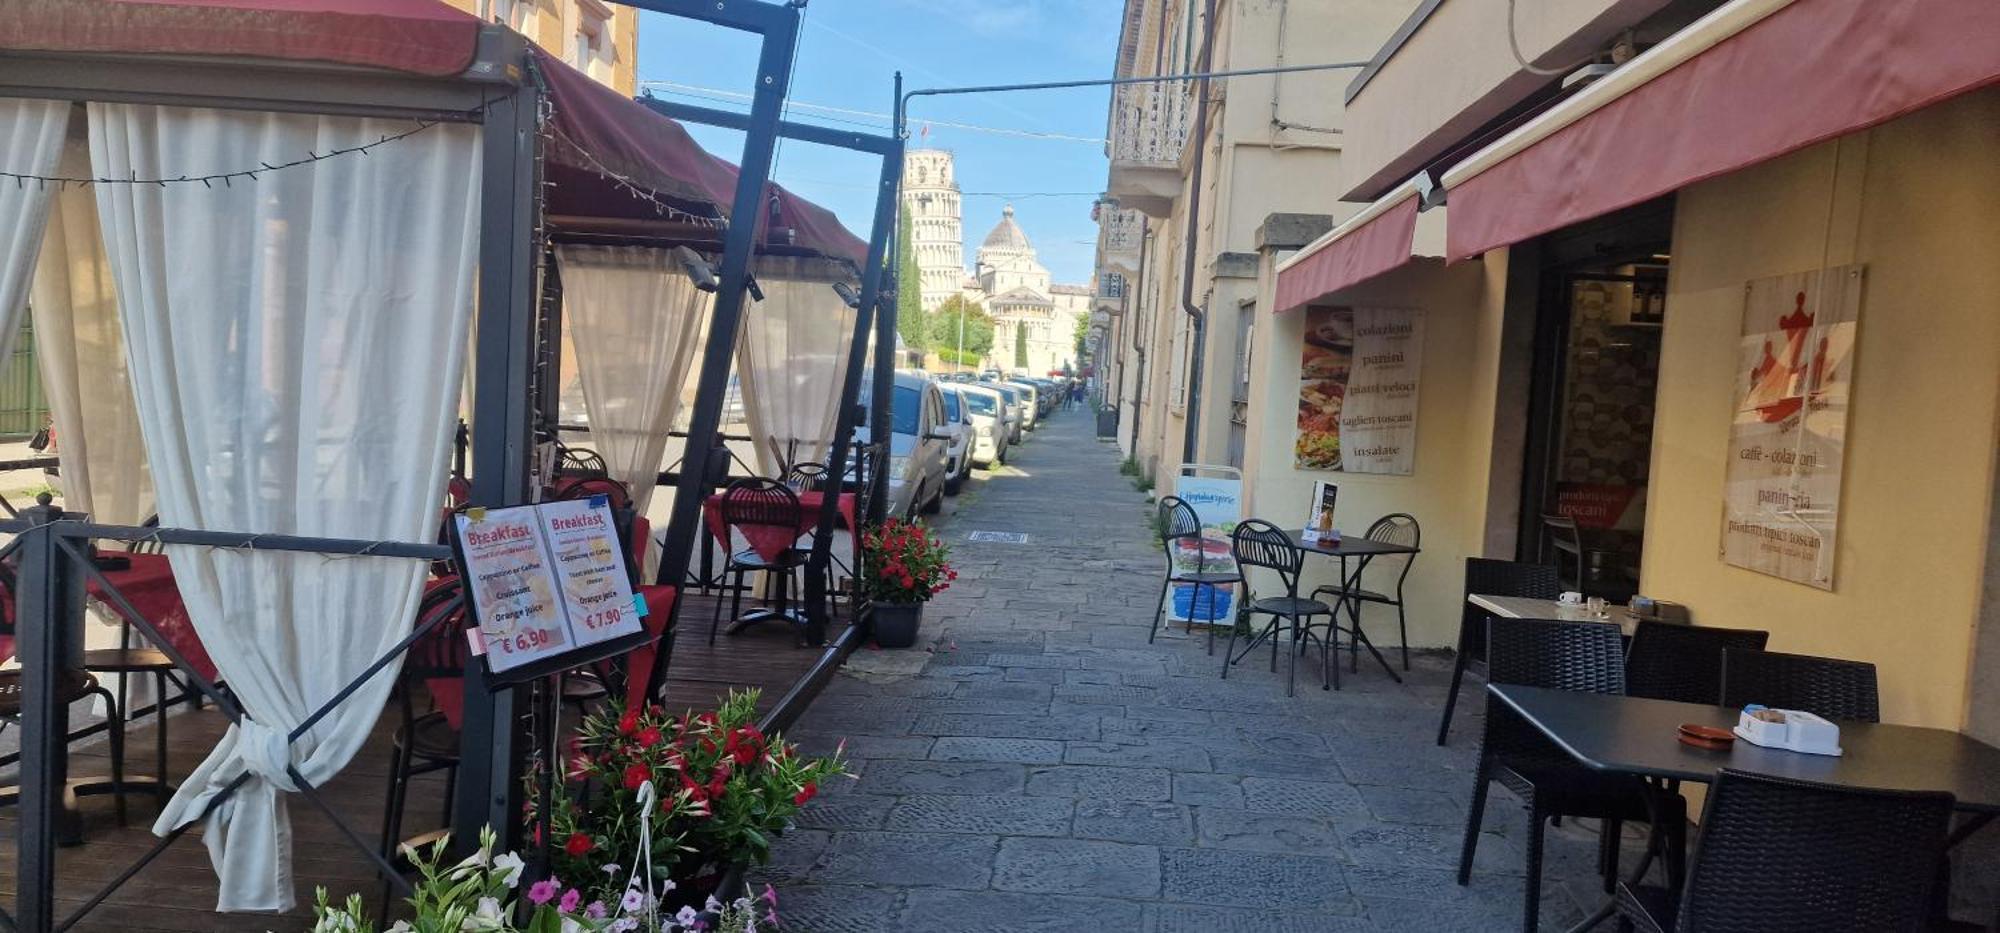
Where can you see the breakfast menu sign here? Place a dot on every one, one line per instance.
(1788, 440)
(1358, 390)
(545, 579)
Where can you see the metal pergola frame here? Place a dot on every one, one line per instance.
(876, 283)
(496, 92)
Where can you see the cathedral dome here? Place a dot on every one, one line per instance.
(1007, 234)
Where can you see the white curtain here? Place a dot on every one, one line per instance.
(80, 345)
(31, 143)
(635, 319)
(295, 346)
(790, 360)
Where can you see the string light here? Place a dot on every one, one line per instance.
(208, 181)
(630, 187)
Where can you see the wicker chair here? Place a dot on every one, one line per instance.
(1785, 856)
(1580, 656)
(1683, 662)
(1394, 528)
(1258, 543)
(1489, 577)
(1827, 687)
(1178, 524)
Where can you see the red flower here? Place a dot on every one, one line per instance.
(805, 793)
(578, 845)
(717, 786)
(745, 754)
(628, 723)
(649, 737)
(636, 775)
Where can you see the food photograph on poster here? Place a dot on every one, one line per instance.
(1358, 390)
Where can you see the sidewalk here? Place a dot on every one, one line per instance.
(1048, 769)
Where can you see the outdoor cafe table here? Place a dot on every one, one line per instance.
(1528, 607)
(1640, 737)
(1363, 550)
(771, 542)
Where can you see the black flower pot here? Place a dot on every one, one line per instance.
(896, 624)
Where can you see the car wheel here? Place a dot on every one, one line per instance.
(936, 503)
(955, 483)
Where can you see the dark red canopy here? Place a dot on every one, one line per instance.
(599, 135)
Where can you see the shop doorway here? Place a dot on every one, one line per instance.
(1600, 310)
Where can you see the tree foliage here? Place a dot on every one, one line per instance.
(978, 329)
(910, 318)
(1020, 346)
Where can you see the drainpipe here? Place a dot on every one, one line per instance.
(1138, 331)
(1196, 314)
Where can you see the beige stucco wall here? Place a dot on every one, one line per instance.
(553, 24)
(1456, 72)
(1915, 200)
(1447, 490)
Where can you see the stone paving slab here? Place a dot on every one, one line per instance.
(1036, 764)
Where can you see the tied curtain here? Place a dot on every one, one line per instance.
(31, 143)
(295, 345)
(634, 319)
(81, 347)
(790, 361)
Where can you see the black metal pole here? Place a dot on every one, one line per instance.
(881, 422)
(774, 67)
(48, 606)
(502, 438)
(1197, 316)
(850, 389)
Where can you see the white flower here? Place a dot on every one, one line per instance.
(712, 905)
(633, 901)
(400, 926)
(511, 865)
(485, 916)
(688, 916)
(612, 868)
(569, 925)
(623, 925)
(666, 884)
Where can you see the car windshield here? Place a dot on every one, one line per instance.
(980, 403)
(951, 406)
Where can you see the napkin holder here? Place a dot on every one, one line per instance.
(1800, 732)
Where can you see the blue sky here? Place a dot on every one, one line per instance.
(849, 51)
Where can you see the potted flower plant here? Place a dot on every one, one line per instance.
(902, 566)
(725, 789)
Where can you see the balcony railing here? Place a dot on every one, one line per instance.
(1151, 124)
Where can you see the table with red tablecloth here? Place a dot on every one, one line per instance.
(769, 541)
(148, 585)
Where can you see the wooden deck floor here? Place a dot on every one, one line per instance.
(177, 891)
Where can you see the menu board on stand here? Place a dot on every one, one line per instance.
(548, 587)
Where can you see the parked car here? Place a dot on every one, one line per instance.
(988, 409)
(918, 442)
(1017, 418)
(958, 457)
(1031, 403)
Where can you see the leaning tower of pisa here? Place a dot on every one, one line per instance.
(937, 235)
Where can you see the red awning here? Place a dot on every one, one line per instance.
(1721, 96)
(599, 136)
(1374, 241)
(423, 37)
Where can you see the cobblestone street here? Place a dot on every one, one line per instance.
(1048, 769)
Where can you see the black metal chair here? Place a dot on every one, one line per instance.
(1668, 661)
(806, 477)
(1178, 524)
(1394, 528)
(1779, 855)
(1489, 577)
(130, 660)
(1564, 538)
(425, 742)
(1258, 543)
(750, 504)
(1829, 687)
(71, 686)
(1580, 656)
